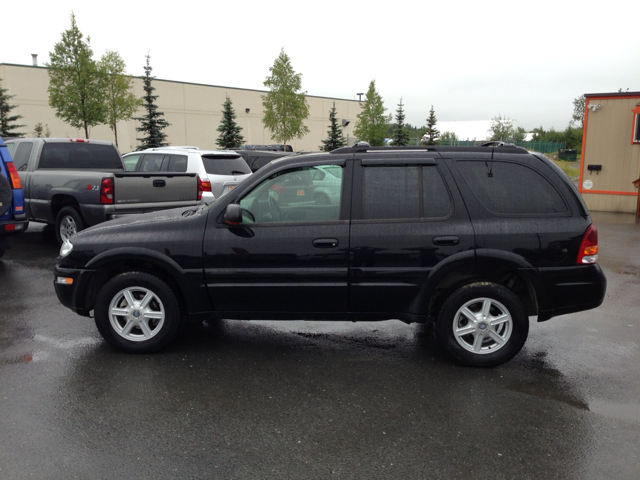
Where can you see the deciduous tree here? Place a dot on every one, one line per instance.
(578, 111)
(151, 124)
(449, 138)
(41, 131)
(230, 136)
(372, 122)
(285, 106)
(76, 84)
(7, 121)
(119, 101)
(501, 129)
(335, 138)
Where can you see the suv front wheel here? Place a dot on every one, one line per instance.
(137, 313)
(482, 324)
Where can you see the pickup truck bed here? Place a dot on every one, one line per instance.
(74, 184)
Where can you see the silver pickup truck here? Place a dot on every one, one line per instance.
(77, 183)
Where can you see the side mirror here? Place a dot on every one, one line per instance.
(233, 214)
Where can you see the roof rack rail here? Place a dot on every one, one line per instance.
(365, 147)
(497, 143)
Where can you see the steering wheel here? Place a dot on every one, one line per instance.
(274, 208)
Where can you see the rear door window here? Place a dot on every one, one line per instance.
(175, 163)
(511, 188)
(404, 191)
(151, 162)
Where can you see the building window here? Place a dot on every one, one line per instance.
(635, 135)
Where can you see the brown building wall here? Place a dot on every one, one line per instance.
(607, 142)
(194, 112)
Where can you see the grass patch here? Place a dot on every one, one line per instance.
(571, 169)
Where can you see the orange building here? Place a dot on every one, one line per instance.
(611, 152)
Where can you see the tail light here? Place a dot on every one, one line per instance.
(79, 140)
(106, 191)
(203, 186)
(13, 175)
(588, 247)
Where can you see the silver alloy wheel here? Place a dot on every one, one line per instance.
(68, 227)
(482, 325)
(136, 314)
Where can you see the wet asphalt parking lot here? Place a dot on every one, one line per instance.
(305, 400)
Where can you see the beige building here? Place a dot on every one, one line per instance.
(611, 151)
(193, 110)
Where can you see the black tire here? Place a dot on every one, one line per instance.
(68, 222)
(494, 318)
(150, 316)
(6, 194)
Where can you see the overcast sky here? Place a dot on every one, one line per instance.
(471, 60)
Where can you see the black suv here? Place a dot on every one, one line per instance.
(476, 238)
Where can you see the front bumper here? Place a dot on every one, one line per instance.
(71, 286)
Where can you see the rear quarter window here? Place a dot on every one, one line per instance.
(80, 156)
(511, 188)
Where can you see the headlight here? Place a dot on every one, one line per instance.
(66, 248)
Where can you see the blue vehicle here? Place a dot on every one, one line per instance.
(13, 219)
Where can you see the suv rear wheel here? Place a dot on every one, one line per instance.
(482, 324)
(137, 313)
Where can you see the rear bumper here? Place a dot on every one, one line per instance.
(572, 289)
(12, 227)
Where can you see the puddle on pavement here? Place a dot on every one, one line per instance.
(619, 411)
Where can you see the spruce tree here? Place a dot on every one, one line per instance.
(7, 120)
(400, 133)
(152, 124)
(335, 139)
(229, 130)
(432, 134)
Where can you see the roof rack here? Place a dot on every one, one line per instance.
(365, 147)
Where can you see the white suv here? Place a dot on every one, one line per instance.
(219, 170)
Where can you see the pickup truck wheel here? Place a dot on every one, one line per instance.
(68, 222)
(482, 324)
(137, 313)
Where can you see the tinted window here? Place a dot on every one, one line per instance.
(177, 163)
(436, 200)
(511, 188)
(10, 147)
(394, 192)
(225, 165)
(80, 155)
(151, 162)
(21, 157)
(391, 192)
